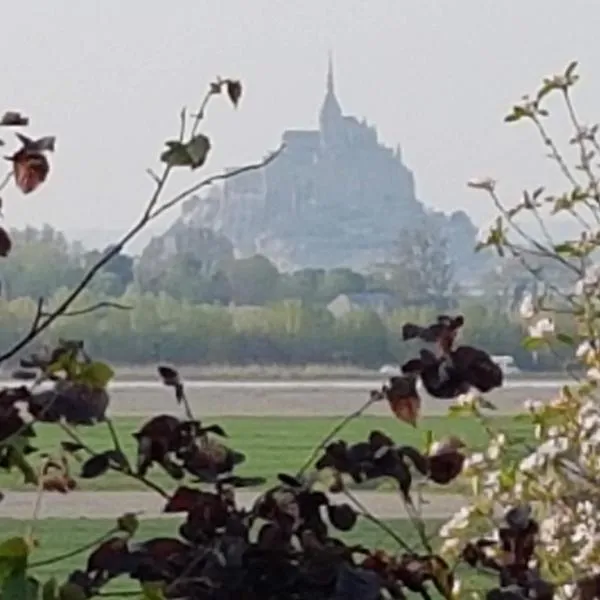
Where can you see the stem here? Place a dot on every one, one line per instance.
(147, 482)
(333, 433)
(381, 524)
(71, 553)
(117, 443)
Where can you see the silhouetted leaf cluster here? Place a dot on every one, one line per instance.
(282, 548)
(446, 372)
(179, 446)
(380, 457)
(78, 393)
(512, 556)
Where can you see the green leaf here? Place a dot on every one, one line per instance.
(428, 441)
(567, 248)
(153, 591)
(96, 374)
(176, 155)
(533, 343)
(458, 410)
(565, 339)
(517, 113)
(50, 589)
(18, 586)
(14, 548)
(571, 68)
(17, 459)
(13, 558)
(197, 149)
(192, 154)
(128, 523)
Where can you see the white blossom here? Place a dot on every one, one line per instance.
(469, 399)
(477, 459)
(527, 308)
(584, 349)
(541, 328)
(594, 374)
(533, 406)
(458, 521)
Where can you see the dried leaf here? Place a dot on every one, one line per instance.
(234, 91)
(30, 170)
(404, 399)
(14, 119)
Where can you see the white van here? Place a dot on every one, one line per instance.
(506, 363)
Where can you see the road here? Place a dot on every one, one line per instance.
(294, 400)
(107, 505)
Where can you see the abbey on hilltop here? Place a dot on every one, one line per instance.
(336, 196)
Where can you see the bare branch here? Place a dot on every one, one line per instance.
(90, 309)
(213, 178)
(42, 322)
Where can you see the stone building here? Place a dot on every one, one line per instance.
(336, 196)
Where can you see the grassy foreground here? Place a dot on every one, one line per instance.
(53, 541)
(271, 444)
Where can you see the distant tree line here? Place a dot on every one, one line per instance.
(219, 309)
(291, 332)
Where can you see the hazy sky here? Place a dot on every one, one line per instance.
(109, 77)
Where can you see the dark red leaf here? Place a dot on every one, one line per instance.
(14, 119)
(169, 375)
(403, 398)
(234, 91)
(30, 170)
(342, 516)
(96, 465)
(5, 242)
(183, 500)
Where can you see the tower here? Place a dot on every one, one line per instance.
(330, 117)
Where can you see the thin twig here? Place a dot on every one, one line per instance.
(72, 553)
(347, 419)
(89, 309)
(144, 220)
(147, 482)
(6, 180)
(219, 177)
(381, 524)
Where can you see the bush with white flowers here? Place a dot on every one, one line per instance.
(558, 477)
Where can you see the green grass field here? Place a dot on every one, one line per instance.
(271, 444)
(53, 542)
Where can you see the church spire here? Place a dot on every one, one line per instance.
(330, 89)
(331, 112)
